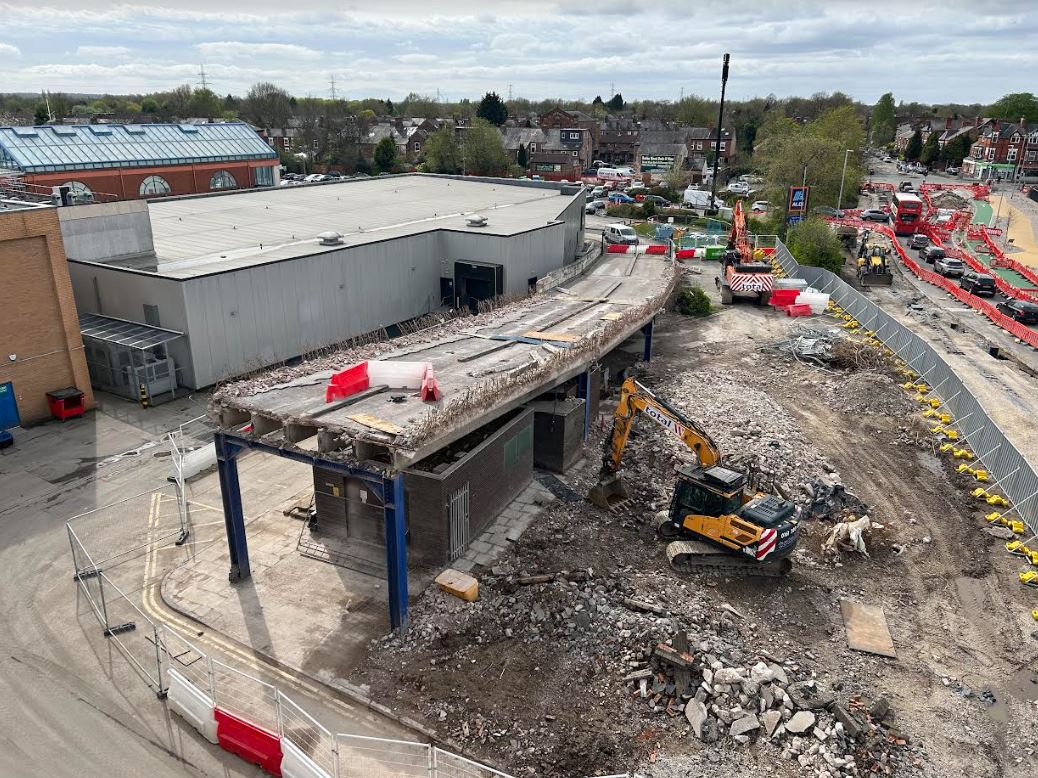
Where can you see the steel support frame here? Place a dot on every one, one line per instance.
(647, 348)
(390, 490)
(584, 392)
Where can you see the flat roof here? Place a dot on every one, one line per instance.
(196, 236)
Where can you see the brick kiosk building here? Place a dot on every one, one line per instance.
(41, 349)
(104, 162)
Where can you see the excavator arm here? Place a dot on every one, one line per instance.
(636, 398)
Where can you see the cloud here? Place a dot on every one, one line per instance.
(225, 50)
(7, 50)
(102, 52)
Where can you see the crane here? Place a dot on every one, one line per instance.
(716, 521)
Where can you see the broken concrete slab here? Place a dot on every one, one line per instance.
(801, 722)
(771, 719)
(744, 725)
(695, 712)
(867, 628)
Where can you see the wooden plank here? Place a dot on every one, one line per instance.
(611, 317)
(376, 423)
(867, 628)
(560, 337)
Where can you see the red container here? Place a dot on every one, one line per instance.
(347, 382)
(798, 310)
(65, 403)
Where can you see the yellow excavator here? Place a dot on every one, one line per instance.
(717, 523)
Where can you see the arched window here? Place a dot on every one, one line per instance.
(154, 185)
(79, 192)
(223, 180)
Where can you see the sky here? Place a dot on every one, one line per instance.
(571, 49)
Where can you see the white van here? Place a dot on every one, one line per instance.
(613, 174)
(699, 199)
(620, 233)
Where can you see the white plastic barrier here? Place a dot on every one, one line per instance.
(296, 764)
(817, 300)
(195, 462)
(193, 705)
(396, 375)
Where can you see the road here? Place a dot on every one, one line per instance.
(71, 704)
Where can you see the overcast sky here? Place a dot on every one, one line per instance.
(923, 50)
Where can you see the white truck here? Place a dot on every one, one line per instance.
(699, 199)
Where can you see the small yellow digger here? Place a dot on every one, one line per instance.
(716, 522)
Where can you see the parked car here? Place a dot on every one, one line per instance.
(620, 233)
(620, 197)
(1021, 310)
(659, 202)
(761, 206)
(699, 199)
(952, 170)
(930, 254)
(919, 241)
(950, 267)
(599, 191)
(980, 284)
(874, 215)
(739, 187)
(905, 186)
(825, 210)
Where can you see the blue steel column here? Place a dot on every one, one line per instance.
(233, 516)
(396, 550)
(584, 392)
(647, 350)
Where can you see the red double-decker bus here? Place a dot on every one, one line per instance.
(907, 211)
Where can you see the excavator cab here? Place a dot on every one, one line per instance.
(703, 491)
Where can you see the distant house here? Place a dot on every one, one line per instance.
(1004, 151)
(618, 142)
(530, 138)
(682, 147)
(558, 119)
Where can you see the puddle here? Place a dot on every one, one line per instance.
(1021, 686)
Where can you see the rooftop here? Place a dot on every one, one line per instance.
(52, 148)
(197, 236)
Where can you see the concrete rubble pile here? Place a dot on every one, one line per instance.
(946, 198)
(723, 697)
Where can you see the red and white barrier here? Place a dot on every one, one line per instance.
(249, 741)
(376, 372)
(296, 764)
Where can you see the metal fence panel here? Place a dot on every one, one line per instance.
(136, 636)
(182, 656)
(307, 734)
(244, 696)
(448, 765)
(372, 757)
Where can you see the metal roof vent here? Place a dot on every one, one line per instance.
(476, 220)
(330, 238)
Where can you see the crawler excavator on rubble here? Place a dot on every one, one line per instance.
(717, 522)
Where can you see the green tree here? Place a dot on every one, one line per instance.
(813, 242)
(930, 151)
(149, 105)
(956, 150)
(522, 157)
(883, 121)
(483, 150)
(386, 156)
(616, 102)
(205, 103)
(41, 114)
(1016, 105)
(914, 147)
(693, 301)
(696, 111)
(492, 109)
(841, 125)
(389, 107)
(443, 152)
(267, 105)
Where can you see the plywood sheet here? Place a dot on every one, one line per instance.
(560, 337)
(376, 423)
(867, 628)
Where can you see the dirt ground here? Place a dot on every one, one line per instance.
(524, 680)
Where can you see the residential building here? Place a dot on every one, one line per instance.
(561, 154)
(685, 147)
(1004, 151)
(42, 350)
(618, 142)
(558, 119)
(531, 139)
(105, 162)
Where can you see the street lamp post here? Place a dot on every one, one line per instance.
(843, 175)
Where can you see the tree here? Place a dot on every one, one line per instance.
(483, 150)
(914, 147)
(616, 102)
(41, 114)
(267, 105)
(883, 121)
(205, 103)
(493, 109)
(149, 105)
(389, 107)
(696, 111)
(930, 151)
(813, 242)
(956, 150)
(1016, 105)
(443, 152)
(522, 157)
(386, 156)
(841, 125)
(178, 102)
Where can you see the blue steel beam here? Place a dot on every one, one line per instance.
(396, 551)
(233, 516)
(647, 349)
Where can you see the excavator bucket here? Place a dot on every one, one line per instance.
(608, 493)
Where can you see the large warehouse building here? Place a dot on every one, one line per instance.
(233, 282)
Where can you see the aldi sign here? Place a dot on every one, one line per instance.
(798, 197)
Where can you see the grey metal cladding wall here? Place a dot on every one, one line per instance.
(573, 215)
(1010, 471)
(528, 254)
(249, 318)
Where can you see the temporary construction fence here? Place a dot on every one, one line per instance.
(1008, 470)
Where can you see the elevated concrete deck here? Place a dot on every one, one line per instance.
(482, 372)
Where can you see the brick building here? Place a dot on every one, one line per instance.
(1004, 150)
(104, 162)
(41, 349)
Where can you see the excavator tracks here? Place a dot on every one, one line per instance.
(693, 556)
